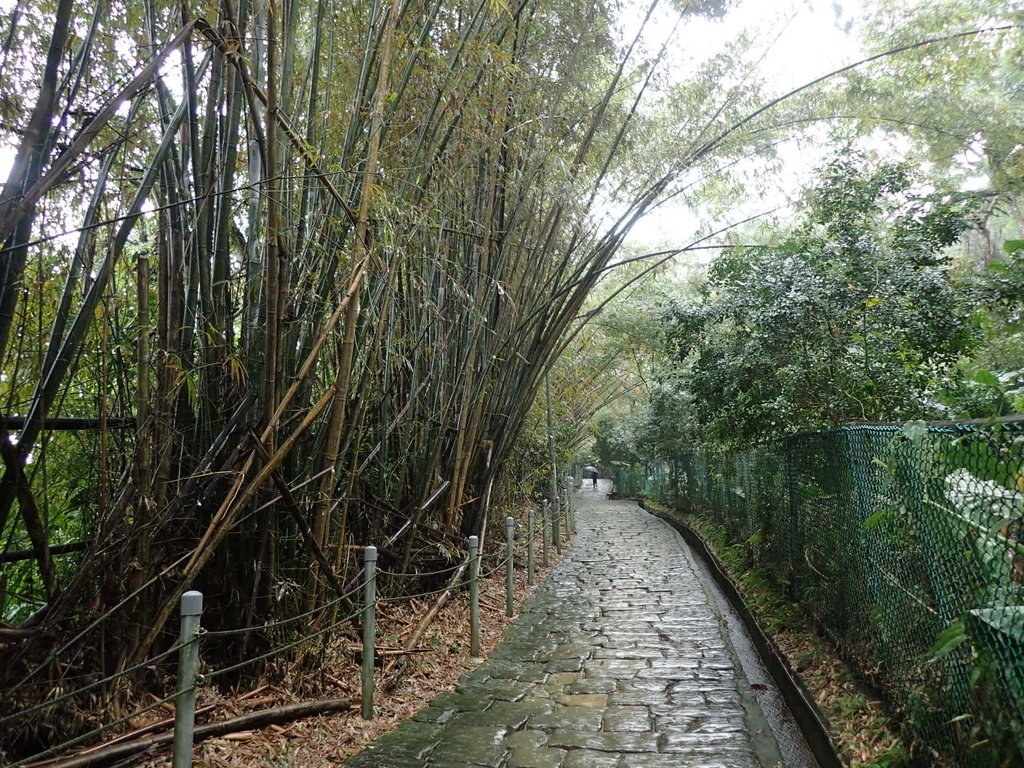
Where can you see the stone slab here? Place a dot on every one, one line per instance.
(618, 661)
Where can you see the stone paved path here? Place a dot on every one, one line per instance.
(618, 661)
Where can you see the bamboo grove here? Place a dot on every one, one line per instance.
(280, 280)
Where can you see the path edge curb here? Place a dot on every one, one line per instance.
(808, 716)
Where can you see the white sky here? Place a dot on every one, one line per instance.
(797, 41)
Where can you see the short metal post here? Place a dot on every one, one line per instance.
(510, 542)
(570, 522)
(563, 497)
(529, 546)
(474, 597)
(369, 627)
(556, 513)
(544, 533)
(188, 666)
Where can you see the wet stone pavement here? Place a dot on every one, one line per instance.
(619, 660)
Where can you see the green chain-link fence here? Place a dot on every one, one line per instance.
(631, 481)
(905, 543)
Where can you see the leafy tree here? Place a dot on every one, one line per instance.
(852, 317)
(958, 96)
(990, 383)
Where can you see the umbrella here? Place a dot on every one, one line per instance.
(591, 468)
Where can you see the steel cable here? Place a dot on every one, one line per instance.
(424, 574)
(280, 649)
(98, 730)
(283, 622)
(78, 691)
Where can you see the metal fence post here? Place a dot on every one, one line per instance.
(510, 542)
(570, 521)
(188, 665)
(369, 628)
(570, 518)
(544, 533)
(556, 513)
(474, 597)
(529, 546)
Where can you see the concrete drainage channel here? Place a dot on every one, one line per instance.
(794, 719)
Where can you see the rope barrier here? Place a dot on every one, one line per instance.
(97, 731)
(78, 691)
(424, 574)
(280, 649)
(496, 568)
(500, 557)
(498, 553)
(283, 622)
(406, 598)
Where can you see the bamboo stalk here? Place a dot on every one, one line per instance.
(261, 719)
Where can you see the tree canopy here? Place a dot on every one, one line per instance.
(850, 317)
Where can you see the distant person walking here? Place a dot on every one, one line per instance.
(593, 472)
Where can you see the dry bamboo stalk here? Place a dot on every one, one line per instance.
(390, 670)
(221, 524)
(362, 251)
(261, 719)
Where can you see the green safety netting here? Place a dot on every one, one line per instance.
(905, 544)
